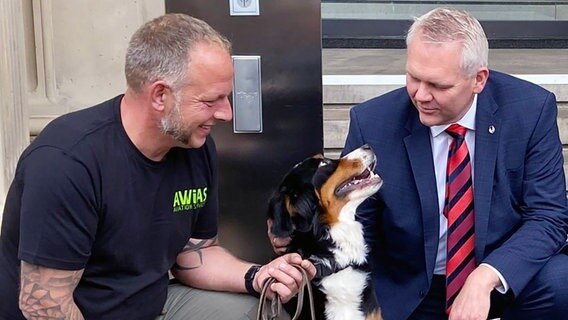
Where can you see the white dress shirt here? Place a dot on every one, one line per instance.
(440, 146)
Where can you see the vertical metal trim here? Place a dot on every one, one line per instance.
(247, 94)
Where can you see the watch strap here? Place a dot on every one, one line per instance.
(249, 278)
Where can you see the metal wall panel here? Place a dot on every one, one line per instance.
(287, 37)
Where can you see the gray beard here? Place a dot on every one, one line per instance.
(171, 125)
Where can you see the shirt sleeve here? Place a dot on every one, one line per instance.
(59, 216)
(504, 287)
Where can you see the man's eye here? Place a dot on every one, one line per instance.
(412, 78)
(441, 86)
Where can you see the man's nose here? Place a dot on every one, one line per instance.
(423, 92)
(224, 111)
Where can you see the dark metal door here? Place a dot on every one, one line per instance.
(287, 37)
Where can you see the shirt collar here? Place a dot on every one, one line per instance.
(468, 120)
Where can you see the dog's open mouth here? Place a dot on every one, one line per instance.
(360, 181)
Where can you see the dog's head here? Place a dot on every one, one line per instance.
(321, 191)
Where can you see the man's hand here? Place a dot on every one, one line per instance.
(279, 245)
(288, 278)
(474, 300)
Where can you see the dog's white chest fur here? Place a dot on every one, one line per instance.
(348, 237)
(344, 289)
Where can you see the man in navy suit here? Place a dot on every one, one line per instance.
(519, 201)
(520, 216)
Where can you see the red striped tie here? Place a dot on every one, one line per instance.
(458, 209)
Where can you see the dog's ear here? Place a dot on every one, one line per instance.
(281, 220)
(305, 213)
(293, 205)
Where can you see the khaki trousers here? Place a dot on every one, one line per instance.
(185, 303)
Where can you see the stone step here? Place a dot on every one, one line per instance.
(351, 76)
(341, 92)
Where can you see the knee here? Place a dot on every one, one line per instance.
(550, 286)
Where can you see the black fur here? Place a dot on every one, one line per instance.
(296, 211)
(303, 227)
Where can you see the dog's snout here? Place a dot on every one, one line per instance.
(364, 152)
(367, 151)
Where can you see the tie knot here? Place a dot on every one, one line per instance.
(456, 131)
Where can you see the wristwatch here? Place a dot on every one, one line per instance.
(249, 278)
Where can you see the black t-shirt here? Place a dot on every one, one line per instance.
(84, 197)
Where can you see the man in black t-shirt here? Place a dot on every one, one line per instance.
(107, 200)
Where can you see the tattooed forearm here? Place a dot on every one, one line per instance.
(191, 256)
(48, 293)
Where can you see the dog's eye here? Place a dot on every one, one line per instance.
(323, 163)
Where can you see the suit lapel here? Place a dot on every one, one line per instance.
(487, 132)
(419, 150)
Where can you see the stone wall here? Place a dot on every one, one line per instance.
(75, 52)
(14, 134)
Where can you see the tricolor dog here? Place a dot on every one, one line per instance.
(315, 205)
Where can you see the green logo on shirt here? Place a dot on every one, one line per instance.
(190, 199)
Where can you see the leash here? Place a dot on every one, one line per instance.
(266, 313)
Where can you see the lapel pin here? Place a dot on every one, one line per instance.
(491, 129)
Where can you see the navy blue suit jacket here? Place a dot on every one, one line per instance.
(519, 189)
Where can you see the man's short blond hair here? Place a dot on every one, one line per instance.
(160, 49)
(449, 25)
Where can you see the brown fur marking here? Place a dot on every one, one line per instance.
(376, 315)
(289, 207)
(330, 202)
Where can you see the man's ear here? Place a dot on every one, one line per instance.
(281, 219)
(480, 79)
(160, 92)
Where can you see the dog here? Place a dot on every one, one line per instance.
(315, 205)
